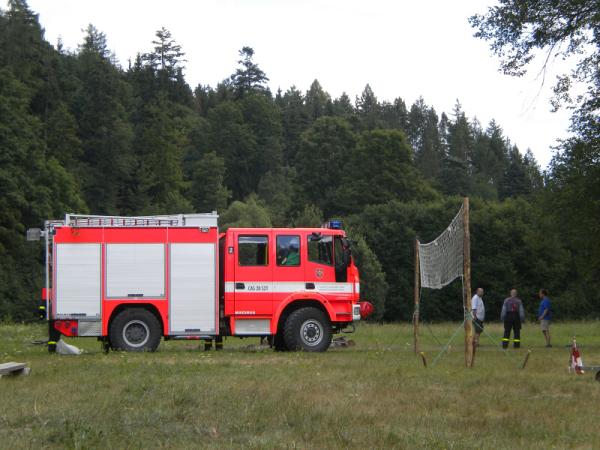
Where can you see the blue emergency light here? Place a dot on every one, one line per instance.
(335, 225)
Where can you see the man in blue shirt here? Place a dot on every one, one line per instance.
(545, 315)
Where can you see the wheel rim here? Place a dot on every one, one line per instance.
(311, 332)
(136, 333)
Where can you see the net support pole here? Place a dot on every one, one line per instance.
(467, 285)
(417, 297)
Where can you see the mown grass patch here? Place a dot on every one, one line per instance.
(376, 394)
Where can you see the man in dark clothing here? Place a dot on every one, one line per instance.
(512, 314)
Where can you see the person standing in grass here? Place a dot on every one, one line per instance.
(512, 315)
(478, 311)
(545, 315)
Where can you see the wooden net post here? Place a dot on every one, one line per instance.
(417, 297)
(467, 285)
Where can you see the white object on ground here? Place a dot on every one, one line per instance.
(62, 348)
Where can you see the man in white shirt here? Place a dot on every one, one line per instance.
(478, 311)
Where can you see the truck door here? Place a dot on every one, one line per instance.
(288, 272)
(253, 286)
(319, 271)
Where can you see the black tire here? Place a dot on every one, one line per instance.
(307, 329)
(135, 330)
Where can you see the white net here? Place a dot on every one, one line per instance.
(441, 260)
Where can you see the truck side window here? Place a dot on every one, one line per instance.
(253, 250)
(320, 249)
(288, 250)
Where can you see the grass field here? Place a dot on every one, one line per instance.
(376, 394)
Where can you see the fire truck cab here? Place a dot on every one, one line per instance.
(131, 280)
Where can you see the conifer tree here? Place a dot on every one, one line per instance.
(248, 77)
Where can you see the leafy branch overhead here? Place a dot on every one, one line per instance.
(520, 31)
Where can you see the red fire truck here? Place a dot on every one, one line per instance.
(131, 280)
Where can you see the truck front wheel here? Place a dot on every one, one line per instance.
(135, 330)
(307, 329)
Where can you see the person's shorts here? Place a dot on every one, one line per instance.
(477, 326)
(545, 325)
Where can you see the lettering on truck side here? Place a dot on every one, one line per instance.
(258, 287)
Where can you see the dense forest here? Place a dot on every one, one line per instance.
(81, 133)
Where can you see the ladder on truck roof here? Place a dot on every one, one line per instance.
(173, 220)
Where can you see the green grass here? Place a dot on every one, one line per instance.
(376, 394)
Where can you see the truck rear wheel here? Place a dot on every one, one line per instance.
(135, 330)
(307, 329)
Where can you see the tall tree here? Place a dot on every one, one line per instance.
(429, 158)
(235, 142)
(368, 108)
(321, 159)
(318, 102)
(164, 68)
(208, 192)
(160, 144)
(516, 181)
(264, 120)
(456, 166)
(248, 77)
(295, 120)
(101, 108)
(381, 168)
(394, 115)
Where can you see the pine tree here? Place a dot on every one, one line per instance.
(516, 182)
(276, 189)
(167, 55)
(264, 120)
(208, 192)
(416, 124)
(320, 161)
(342, 107)
(235, 142)
(394, 115)
(429, 159)
(160, 144)
(368, 108)
(295, 120)
(101, 109)
(249, 77)
(318, 102)
(456, 165)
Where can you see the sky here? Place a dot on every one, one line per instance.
(402, 49)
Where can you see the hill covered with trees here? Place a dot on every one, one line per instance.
(81, 133)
